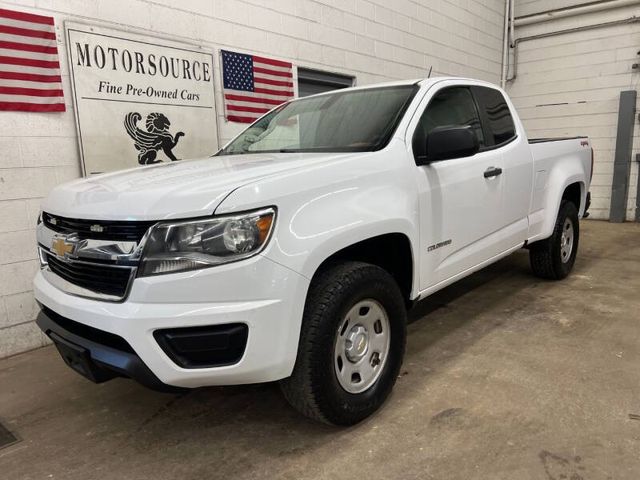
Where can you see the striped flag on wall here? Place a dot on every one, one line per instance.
(29, 65)
(253, 85)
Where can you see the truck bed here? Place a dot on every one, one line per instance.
(568, 155)
(553, 139)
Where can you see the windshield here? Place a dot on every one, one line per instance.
(344, 121)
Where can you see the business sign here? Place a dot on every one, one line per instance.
(139, 100)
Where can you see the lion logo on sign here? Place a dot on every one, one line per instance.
(155, 138)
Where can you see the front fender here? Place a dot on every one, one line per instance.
(323, 242)
(323, 210)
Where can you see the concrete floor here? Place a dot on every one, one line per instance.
(506, 377)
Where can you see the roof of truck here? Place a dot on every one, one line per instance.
(421, 81)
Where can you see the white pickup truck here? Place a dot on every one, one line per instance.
(293, 253)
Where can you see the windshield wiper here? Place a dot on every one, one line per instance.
(360, 148)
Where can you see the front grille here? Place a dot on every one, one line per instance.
(100, 278)
(116, 230)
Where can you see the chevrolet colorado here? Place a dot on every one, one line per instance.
(293, 253)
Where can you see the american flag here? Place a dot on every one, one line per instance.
(29, 66)
(253, 85)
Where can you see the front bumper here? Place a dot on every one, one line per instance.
(105, 359)
(264, 295)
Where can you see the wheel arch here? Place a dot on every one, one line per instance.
(571, 188)
(392, 252)
(575, 192)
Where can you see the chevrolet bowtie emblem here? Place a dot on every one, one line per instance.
(62, 247)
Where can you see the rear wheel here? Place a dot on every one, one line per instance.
(553, 258)
(351, 344)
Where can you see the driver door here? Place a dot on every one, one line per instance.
(460, 199)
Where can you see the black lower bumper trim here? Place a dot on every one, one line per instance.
(202, 347)
(95, 354)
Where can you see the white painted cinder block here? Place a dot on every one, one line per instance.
(373, 41)
(570, 84)
(20, 308)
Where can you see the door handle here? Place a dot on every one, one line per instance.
(492, 172)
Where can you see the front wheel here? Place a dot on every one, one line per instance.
(351, 344)
(554, 257)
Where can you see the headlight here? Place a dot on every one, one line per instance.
(190, 245)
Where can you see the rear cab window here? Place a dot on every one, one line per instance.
(499, 125)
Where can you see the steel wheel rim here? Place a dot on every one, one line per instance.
(362, 345)
(566, 240)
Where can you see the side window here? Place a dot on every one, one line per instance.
(497, 113)
(452, 106)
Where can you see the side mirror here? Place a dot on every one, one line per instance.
(448, 142)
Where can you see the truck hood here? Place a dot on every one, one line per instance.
(188, 188)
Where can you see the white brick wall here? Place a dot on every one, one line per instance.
(587, 71)
(373, 40)
(530, 7)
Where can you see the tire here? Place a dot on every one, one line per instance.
(550, 258)
(347, 290)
